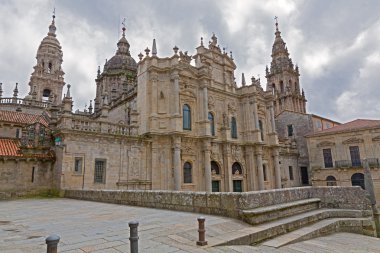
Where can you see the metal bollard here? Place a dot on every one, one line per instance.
(133, 236)
(52, 243)
(201, 231)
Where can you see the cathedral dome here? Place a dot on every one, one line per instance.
(122, 60)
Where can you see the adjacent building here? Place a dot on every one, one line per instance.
(337, 154)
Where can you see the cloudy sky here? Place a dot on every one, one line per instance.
(335, 43)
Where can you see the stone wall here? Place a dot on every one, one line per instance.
(227, 204)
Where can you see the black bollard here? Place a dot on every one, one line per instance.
(52, 243)
(133, 236)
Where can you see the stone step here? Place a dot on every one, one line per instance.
(274, 212)
(321, 228)
(265, 231)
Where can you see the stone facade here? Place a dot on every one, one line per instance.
(336, 154)
(171, 123)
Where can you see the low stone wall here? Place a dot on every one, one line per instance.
(226, 203)
(9, 195)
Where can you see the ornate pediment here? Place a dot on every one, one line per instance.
(325, 144)
(353, 140)
(188, 93)
(377, 138)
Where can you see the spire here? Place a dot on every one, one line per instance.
(15, 91)
(52, 27)
(1, 90)
(154, 48)
(68, 91)
(98, 71)
(123, 44)
(90, 107)
(242, 79)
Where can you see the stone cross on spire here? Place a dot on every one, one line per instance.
(123, 23)
(276, 18)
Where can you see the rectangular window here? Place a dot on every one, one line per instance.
(290, 130)
(265, 172)
(100, 171)
(291, 176)
(327, 158)
(237, 185)
(32, 174)
(355, 156)
(17, 132)
(215, 186)
(78, 165)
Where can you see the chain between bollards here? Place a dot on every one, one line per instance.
(52, 243)
(133, 236)
(201, 232)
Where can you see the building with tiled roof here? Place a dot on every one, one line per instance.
(337, 154)
(21, 118)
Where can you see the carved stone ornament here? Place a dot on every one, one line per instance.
(211, 102)
(377, 138)
(232, 107)
(353, 140)
(325, 144)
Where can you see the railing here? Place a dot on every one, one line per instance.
(103, 127)
(372, 162)
(21, 101)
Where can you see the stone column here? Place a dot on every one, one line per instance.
(154, 79)
(250, 168)
(277, 171)
(227, 168)
(175, 76)
(255, 115)
(205, 101)
(177, 162)
(260, 169)
(207, 152)
(273, 125)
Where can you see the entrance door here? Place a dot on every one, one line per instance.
(355, 156)
(215, 186)
(304, 176)
(237, 185)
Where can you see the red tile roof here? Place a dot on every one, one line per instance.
(349, 126)
(11, 148)
(22, 118)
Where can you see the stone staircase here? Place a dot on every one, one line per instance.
(281, 224)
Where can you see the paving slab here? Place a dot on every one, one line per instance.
(86, 226)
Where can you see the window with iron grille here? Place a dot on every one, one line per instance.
(187, 174)
(327, 158)
(78, 165)
(100, 171)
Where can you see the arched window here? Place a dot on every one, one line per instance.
(273, 88)
(236, 169)
(50, 67)
(215, 168)
(261, 129)
(212, 123)
(187, 175)
(186, 114)
(282, 86)
(46, 94)
(358, 179)
(330, 181)
(233, 128)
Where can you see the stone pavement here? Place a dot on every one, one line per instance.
(99, 227)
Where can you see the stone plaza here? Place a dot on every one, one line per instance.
(101, 227)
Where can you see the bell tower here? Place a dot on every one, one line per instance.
(46, 82)
(283, 79)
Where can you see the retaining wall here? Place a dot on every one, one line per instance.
(227, 203)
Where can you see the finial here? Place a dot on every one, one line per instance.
(231, 55)
(242, 79)
(52, 27)
(68, 91)
(201, 41)
(123, 23)
(98, 71)
(224, 50)
(175, 49)
(154, 48)
(147, 50)
(276, 18)
(15, 91)
(90, 107)
(253, 79)
(1, 90)
(53, 15)
(140, 56)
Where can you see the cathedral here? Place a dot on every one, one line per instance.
(178, 122)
